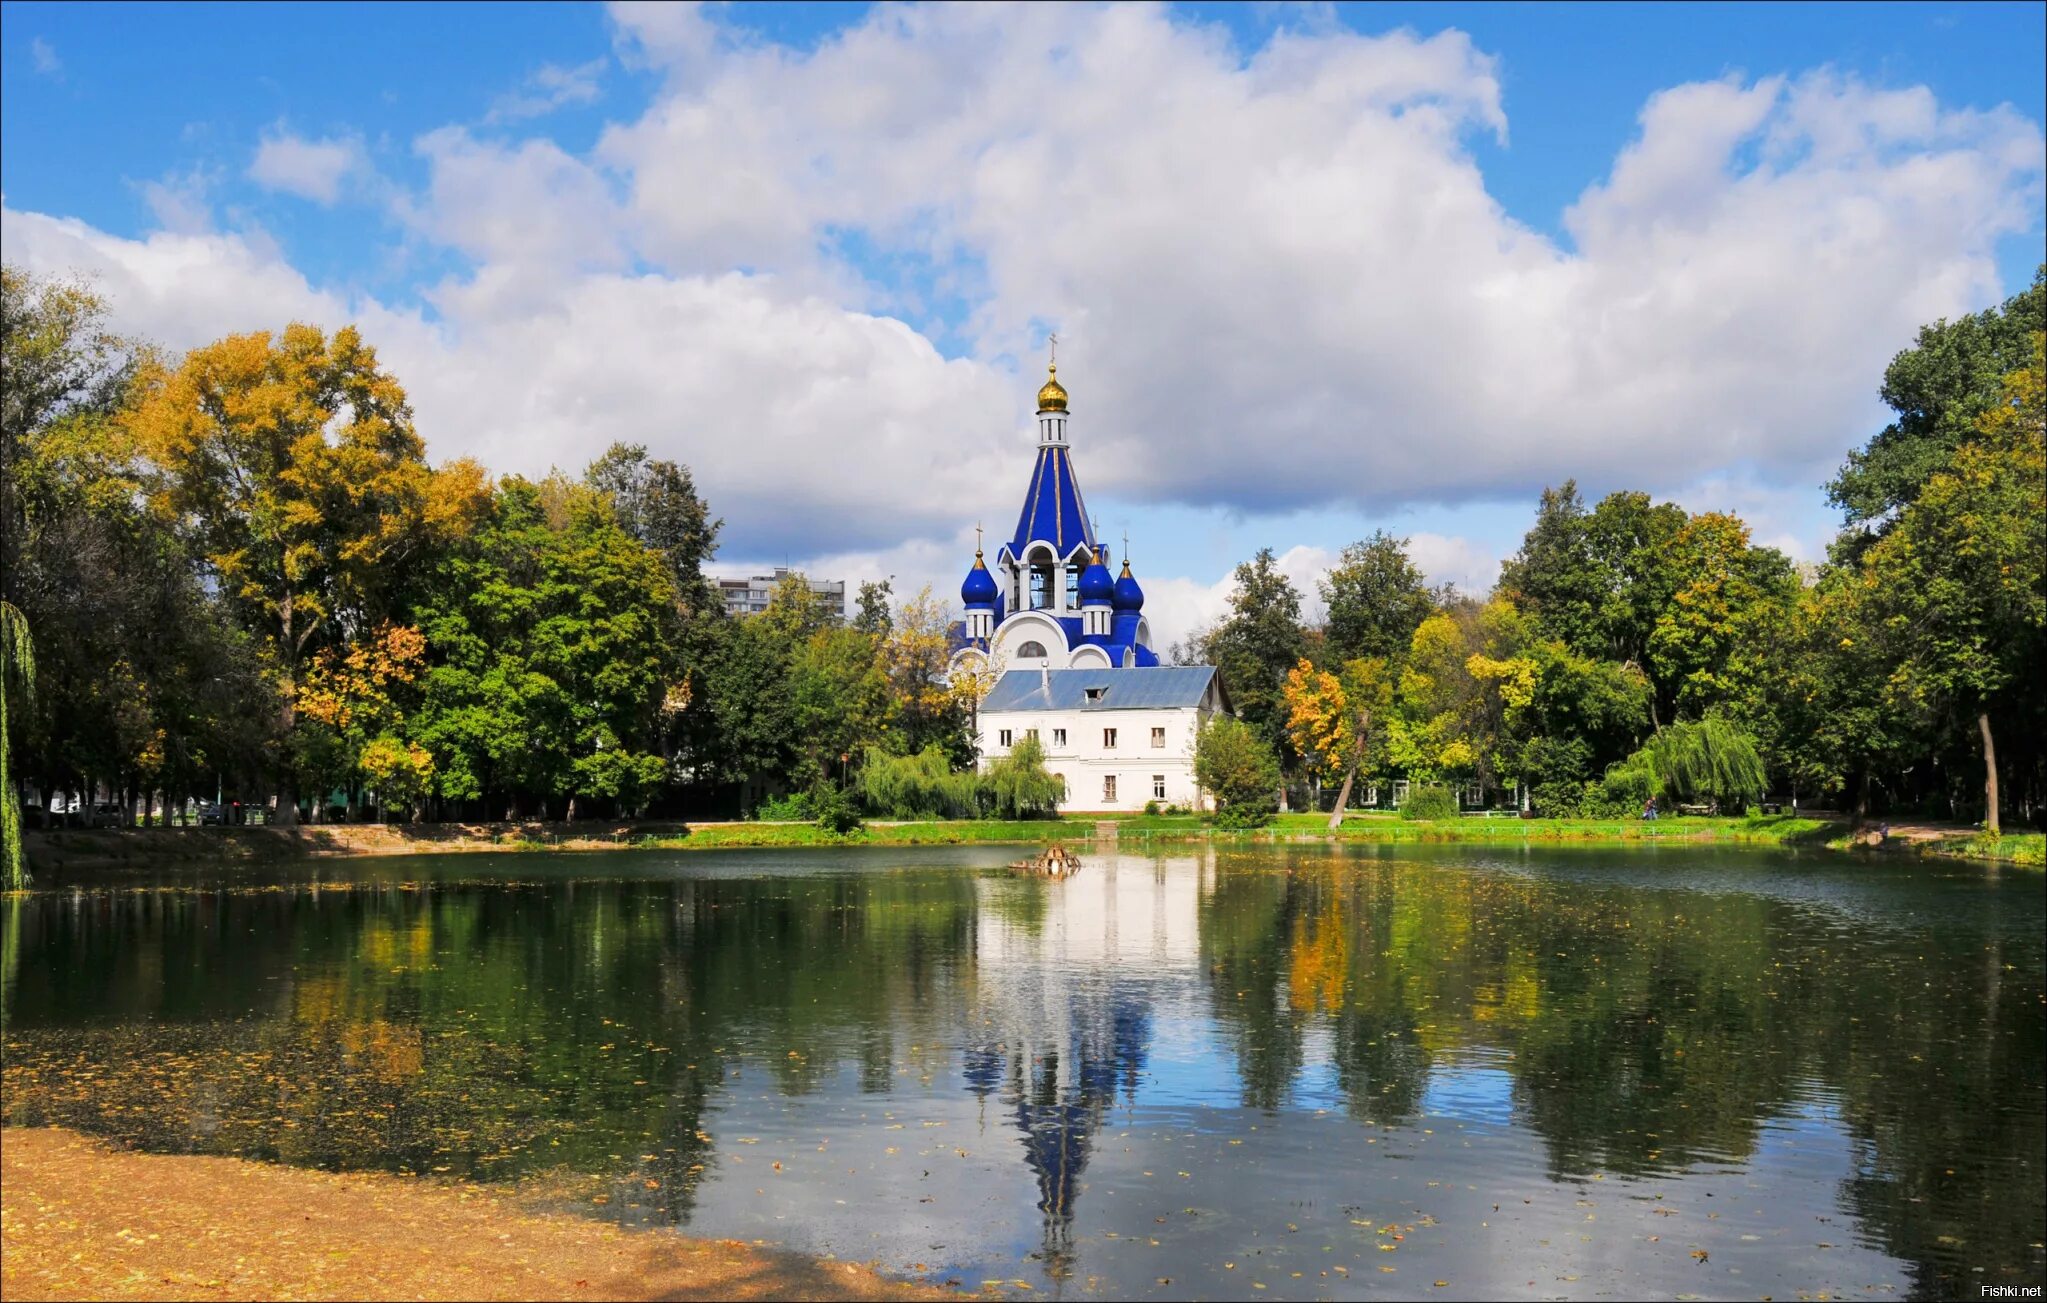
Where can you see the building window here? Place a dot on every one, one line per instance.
(1030, 649)
(1158, 737)
(1058, 737)
(1108, 739)
(1002, 738)
(1031, 733)
(1158, 787)
(1108, 787)
(1093, 694)
(1073, 587)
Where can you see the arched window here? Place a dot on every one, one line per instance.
(1031, 649)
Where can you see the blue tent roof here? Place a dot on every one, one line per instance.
(1053, 511)
(1163, 687)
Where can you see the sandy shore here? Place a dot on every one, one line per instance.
(79, 1219)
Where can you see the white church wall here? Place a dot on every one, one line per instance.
(1076, 747)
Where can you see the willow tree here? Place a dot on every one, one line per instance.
(17, 664)
(1711, 757)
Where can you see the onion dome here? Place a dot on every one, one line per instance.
(1096, 587)
(1128, 596)
(979, 588)
(1052, 397)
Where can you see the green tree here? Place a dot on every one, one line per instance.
(656, 502)
(1257, 644)
(1377, 598)
(1960, 573)
(873, 616)
(1940, 389)
(17, 667)
(1234, 765)
(1708, 645)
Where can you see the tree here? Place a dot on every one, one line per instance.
(838, 697)
(1554, 576)
(553, 657)
(1959, 574)
(657, 503)
(873, 616)
(17, 666)
(1235, 766)
(1941, 388)
(927, 707)
(1257, 644)
(1377, 598)
(293, 461)
(1712, 757)
(1707, 646)
(1337, 721)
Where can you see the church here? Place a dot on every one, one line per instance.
(1066, 652)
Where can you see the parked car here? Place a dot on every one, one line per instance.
(212, 812)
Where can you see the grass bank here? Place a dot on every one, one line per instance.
(84, 1220)
(50, 854)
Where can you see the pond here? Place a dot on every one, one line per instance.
(1303, 1071)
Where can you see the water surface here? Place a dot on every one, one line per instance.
(1303, 1072)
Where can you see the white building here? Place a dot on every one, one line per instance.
(1117, 738)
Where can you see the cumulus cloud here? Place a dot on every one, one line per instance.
(1278, 276)
(310, 169)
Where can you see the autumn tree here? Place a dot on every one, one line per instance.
(293, 461)
(1337, 721)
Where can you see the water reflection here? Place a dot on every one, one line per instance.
(1217, 1058)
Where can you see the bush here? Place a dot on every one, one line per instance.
(1429, 801)
(1244, 814)
(836, 813)
(793, 808)
(1151, 807)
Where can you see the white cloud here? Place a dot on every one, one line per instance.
(1279, 278)
(181, 202)
(45, 56)
(310, 169)
(549, 88)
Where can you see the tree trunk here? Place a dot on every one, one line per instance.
(1989, 775)
(1342, 798)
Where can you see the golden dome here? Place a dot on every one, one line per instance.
(1052, 398)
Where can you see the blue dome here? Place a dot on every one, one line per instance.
(979, 589)
(1096, 587)
(1128, 596)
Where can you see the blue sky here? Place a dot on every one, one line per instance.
(465, 174)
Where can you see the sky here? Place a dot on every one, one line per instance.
(1315, 271)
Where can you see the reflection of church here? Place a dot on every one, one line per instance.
(1063, 1052)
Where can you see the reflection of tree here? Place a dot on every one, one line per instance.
(573, 1034)
(535, 1031)
(1647, 1031)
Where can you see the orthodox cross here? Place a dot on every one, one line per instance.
(1054, 340)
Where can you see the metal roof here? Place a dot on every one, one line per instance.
(1163, 687)
(1053, 511)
